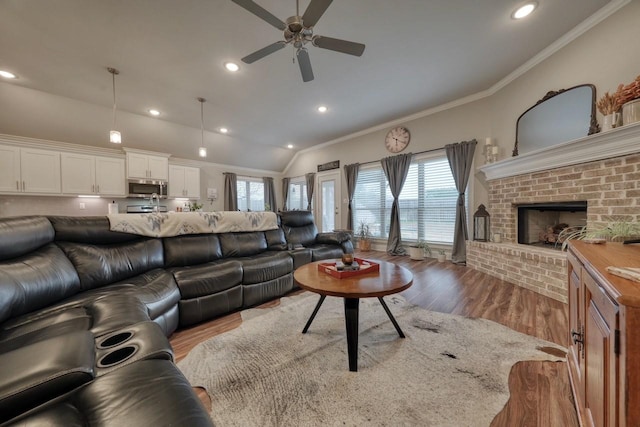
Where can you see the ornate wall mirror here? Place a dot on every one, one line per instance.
(560, 116)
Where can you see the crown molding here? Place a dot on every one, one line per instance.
(23, 141)
(602, 14)
(200, 164)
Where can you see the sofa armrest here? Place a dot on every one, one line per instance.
(39, 372)
(333, 238)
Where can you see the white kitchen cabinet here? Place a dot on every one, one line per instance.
(184, 182)
(29, 170)
(10, 180)
(145, 166)
(96, 175)
(110, 176)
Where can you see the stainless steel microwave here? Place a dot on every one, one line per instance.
(146, 188)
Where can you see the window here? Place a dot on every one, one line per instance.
(297, 199)
(427, 201)
(250, 194)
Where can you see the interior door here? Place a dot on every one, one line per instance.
(328, 216)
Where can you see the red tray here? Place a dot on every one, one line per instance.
(329, 268)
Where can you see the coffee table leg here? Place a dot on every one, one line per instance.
(393, 319)
(313, 315)
(351, 307)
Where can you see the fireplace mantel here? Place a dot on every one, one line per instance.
(617, 142)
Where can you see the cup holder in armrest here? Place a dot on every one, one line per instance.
(117, 356)
(115, 339)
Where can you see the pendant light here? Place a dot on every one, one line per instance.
(202, 151)
(114, 135)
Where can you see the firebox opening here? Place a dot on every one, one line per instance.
(541, 223)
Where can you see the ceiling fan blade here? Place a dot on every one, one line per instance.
(344, 46)
(261, 13)
(305, 65)
(259, 54)
(314, 11)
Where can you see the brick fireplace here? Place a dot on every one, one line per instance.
(609, 185)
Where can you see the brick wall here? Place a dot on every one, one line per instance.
(611, 189)
(542, 270)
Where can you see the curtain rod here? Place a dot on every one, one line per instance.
(246, 176)
(414, 154)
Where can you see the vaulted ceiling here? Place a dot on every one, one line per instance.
(419, 54)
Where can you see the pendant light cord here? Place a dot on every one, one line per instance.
(113, 72)
(202, 120)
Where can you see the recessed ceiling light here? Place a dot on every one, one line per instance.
(154, 112)
(7, 74)
(224, 130)
(289, 146)
(231, 66)
(524, 10)
(322, 109)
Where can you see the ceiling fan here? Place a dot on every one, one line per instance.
(298, 31)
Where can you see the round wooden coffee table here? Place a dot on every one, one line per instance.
(389, 280)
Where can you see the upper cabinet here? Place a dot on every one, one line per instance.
(184, 182)
(147, 166)
(29, 170)
(86, 174)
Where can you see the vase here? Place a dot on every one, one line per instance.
(609, 122)
(631, 112)
(416, 253)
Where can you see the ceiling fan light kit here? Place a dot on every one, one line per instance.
(298, 31)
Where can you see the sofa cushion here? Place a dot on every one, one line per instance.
(157, 289)
(190, 250)
(207, 279)
(243, 244)
(100, 265)
(88, 229)
(23, 235)
(36, 280)
(275, 239)
(265, 266)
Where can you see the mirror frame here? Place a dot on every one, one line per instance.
(594, 127)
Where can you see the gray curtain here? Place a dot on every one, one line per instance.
(351, 173)
(285, 192)
(460, 158)
(230, 191)
(310, 178)
(269, 193)
(396, 169)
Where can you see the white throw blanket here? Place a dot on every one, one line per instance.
(175, 224)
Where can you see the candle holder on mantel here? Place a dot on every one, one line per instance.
(490, 151)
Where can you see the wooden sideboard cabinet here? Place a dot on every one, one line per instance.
(604, 334)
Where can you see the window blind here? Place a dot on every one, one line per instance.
(427, 201)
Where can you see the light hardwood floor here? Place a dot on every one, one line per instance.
(540, 391)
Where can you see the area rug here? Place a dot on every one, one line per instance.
(448, 371)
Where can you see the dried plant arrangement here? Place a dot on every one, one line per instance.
(608, 104)
(627, 93)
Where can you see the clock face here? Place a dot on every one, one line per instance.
(397, 139)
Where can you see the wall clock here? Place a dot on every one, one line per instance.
(397, 139)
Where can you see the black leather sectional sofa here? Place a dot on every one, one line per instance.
(85, 312)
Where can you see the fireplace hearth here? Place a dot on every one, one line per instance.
(541, 224)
